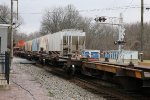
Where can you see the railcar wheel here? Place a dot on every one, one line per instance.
(69, 70)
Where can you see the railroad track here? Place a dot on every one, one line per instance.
(108, 92)
(90, 84)
(92, 87)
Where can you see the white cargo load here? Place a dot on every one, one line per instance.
(66, 41)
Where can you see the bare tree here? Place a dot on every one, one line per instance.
(33, 35)
(97, 36)
(101, 37)
(5, 16)
(20, 36)
(62, 18)
(134, 40)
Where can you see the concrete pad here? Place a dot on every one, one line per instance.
(22, 87)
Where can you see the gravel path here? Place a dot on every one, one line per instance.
(38, 84)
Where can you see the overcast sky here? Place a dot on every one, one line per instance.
(32, 10)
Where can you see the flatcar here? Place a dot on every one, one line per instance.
(67, 49)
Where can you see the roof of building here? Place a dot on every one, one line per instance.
(4, 25)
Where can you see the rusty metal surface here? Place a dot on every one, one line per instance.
(144, 68)
(126, 71)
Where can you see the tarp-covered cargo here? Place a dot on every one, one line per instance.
(34, 45)
(28, 45)
(66, 41)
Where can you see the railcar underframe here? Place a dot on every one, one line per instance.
(130, 77)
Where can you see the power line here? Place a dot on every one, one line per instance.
(127, 7)
(95, 10)
(112, 3)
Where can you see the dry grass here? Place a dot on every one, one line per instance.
(147, 61)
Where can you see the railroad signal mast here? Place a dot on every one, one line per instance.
(120, 42)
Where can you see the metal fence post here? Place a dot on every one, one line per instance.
(7, 68)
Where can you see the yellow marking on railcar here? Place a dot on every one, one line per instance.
(113, 69)
(133, 72)
(138, 74)
(106, 67)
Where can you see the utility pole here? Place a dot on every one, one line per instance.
(11, 34)
(142, 30)
(17, 10)
(11, 29)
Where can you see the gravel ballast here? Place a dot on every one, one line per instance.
(40, 83)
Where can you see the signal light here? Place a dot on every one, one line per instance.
(96, 19)
(119, 42)
(100, 19)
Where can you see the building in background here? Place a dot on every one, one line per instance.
(3, 43)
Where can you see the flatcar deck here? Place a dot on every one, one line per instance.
(144, 68)
(117, 69)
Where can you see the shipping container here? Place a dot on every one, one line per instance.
(113, 54)
(91, 54)
(130, 54)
